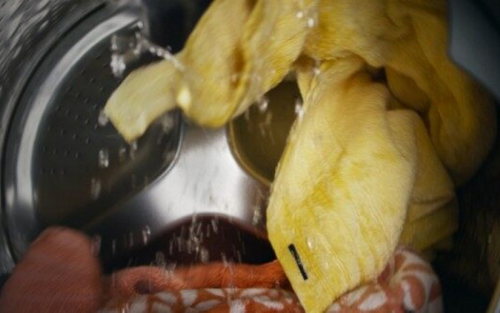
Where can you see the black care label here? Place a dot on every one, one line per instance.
(296, 256)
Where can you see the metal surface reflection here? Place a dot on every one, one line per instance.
(204, 180)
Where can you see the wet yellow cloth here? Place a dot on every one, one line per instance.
(372, 162)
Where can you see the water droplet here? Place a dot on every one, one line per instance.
(133, 149)
(146, 234)
(103, 159)
(171, 246)
(214, 225)
(311, 22)
(224, 259)
(171, 267)
(179, 243)
(207, 232)
(95, 188)
(160, 259)
(118, 65)
(103, 119)
(167, 123)
(257, 216)
(310, 243)
(204, 255)
(263, 104)
(300, 14)
(122, 154)
(120, 47)
(299, 109)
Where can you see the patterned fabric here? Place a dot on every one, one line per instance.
(61, 274)
(407, 284)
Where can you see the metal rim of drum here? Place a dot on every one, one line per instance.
(17, 64)
(38, 105)
(44, 146)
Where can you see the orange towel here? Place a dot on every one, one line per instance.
(60, 274)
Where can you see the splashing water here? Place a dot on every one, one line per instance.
(214, 225)
(171, 246)
(113, 246)
(103, 119)
(118, 65)
(103, 158)
(122, 154)
(224, 259)
(129, 46)
(311, 22)
(133, 149)
(167, 123)
(146, 235)
(160, 259)
(171, 268)
(299, 109)
(263, 104)
(121, 54)
(95, 188)
(316, 70)
(310, 243)
(257, 216)
(204, 255)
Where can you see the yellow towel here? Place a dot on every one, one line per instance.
(368, 155)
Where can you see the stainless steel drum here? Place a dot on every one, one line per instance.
(179, 195)
(178, 190)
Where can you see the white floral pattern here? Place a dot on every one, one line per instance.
(407, 284)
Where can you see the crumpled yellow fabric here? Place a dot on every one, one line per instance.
(372, 162)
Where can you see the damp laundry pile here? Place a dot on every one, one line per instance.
(364, 193)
